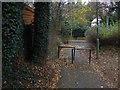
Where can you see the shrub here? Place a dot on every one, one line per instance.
(107, 37)
(64, 35)
(65, 32)
(91, 35)
(12, 43)
(108, 32)
(41, 26)
(78, 32)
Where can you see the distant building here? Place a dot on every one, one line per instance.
(94, 22)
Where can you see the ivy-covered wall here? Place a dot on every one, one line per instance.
(41, 31)
(12, 43)
(16, 45)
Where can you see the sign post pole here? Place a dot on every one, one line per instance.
(97, 49)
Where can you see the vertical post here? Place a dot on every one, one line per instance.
(58, 51)
(89, 56)
(97, 49)
(107, 22)
(72, 55)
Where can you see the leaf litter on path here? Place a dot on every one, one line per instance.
(107, 66)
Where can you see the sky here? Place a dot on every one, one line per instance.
(86, 1)
(83, 1)
(106, 1)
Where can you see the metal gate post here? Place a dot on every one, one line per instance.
(89, 56)
(72, 55)
(59, 50)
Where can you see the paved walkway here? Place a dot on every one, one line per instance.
(81, 75)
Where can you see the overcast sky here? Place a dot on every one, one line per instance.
(83, 1)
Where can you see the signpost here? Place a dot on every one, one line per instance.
(97, 49)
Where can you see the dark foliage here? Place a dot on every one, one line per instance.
(65, 32)
(113, 13)
(91, 36)
(12, 43)
(28, 36)
(41, 27)
(78, 33)
(112, 40)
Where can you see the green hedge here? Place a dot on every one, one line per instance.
(11, 37)
(78, 33)
(41, 27)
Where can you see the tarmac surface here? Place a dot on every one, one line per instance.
(81, 75)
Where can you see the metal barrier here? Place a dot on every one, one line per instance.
(73, 51)
(89, 49)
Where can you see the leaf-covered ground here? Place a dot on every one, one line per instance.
(29, 75)
(107, 65)
(48, 75)
(79, 74)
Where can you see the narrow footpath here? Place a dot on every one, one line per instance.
(81, 75)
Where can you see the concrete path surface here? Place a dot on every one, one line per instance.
(81, 75)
